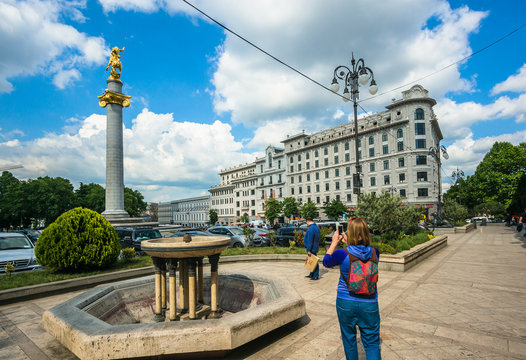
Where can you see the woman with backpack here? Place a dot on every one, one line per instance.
(357, 296)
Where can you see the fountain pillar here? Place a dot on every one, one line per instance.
(191, 287)
(172, 266)
(158, 266)
(200, 280)
(214, 264)
(163, 289)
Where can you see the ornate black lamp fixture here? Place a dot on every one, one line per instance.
(456, 175)
(358, 73)
(435, 152)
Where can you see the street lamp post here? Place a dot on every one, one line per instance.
(456, 175)
(435, 152)
(358, 73)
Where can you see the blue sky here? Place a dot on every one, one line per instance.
(203, 100)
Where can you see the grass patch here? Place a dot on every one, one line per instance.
(45, 276)
(401, 243)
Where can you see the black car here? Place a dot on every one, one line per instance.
(285, 234)
(131, 237)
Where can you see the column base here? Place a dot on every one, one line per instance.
(115, 214)
(159, 317)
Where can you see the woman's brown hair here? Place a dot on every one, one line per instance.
(358, 232)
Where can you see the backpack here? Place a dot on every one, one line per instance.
(363, 275)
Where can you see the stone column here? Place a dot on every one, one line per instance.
(214, 264)
(158, 266)
(113, 100)
(191, 288)
(172, 265)
(200, 280)
(182, 292)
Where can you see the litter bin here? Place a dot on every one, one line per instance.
(483, 222)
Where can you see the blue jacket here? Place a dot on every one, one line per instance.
(311, 240)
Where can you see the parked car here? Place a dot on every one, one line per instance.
(19, 251)
(285, 234)
(261, 237)
(30, 233)
(131, 237)
(181, 233)
(237, 239)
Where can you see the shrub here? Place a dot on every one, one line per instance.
(403, 244)
(80, 239)
(421, 237)
(324, 231)
(128, 254)
(298, 238)
(384, 248)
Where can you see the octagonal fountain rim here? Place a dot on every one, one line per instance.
(176, 247)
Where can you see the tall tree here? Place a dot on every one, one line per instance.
(91, 196)
(10, 204)
(334, 209)
(212, 216)
(134, 203)
(309, 209)
(272, 209)
(290, 207)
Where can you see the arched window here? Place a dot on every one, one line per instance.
(419, 114)
(399, 133)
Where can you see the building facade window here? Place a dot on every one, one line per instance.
(402, 193)
(347, 157)
(421, 176)
(346, 145)
(419, 114)
(372, 167)
(326, 174)
(384, 137)
(401, 162)
(421, 160)
(336, 159)
(387, 180)
(315, 153)
(348, 170)
(317, 176)
(348, 184)
(326, 161)
(420, 128)
(316, 163)
(385, 149)
(336, 172)
(335, 148)
(422, 192)
(317, 187)
(401, 177)
(371, 152)
(337, 185)
(400, 146)
(327, 186)
(325, 151)
(420, 143)
(386, 164)
(399, 133)
(371, 140)
(373, 181)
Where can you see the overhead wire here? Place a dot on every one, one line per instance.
(325, 87)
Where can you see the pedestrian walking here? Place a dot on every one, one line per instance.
(357, 296)
(522, 221)
(311, 241)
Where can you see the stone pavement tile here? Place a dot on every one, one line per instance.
(436, 353)
(316, 349)
(52, 348)
(412, 354)
(12, 352)
(473, 338)
(415, 326)
(467, 352)
(332, 333)
(518, 347)
(388, 354)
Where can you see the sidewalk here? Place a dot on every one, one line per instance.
(466, 301)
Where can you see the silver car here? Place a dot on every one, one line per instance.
(19, 251)
(237, 239)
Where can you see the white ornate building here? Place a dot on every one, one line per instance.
(271, 176)
(192, 212)
(394, 148)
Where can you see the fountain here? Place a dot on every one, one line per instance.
(216, 313)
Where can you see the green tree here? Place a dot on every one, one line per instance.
(10, 209)
(309, 209)
(334, 209)
(212, 215)
(244, 218)
(50, 197)
(491, 207)
(290, 207)
(134, 203)
(454, 212)
(497, 177)
(273, 208)
(91, 196)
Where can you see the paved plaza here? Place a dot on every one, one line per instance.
(467, 301)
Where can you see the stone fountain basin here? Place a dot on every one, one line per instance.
(176, 248)
(85, 326)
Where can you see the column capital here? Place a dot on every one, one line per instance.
(112, 97)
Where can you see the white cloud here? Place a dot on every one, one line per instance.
(456, 118)
(338, 114)
(165, 158)
(274, 132)
(34, 41)
(515, 83)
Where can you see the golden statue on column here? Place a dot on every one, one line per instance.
(115, 63)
